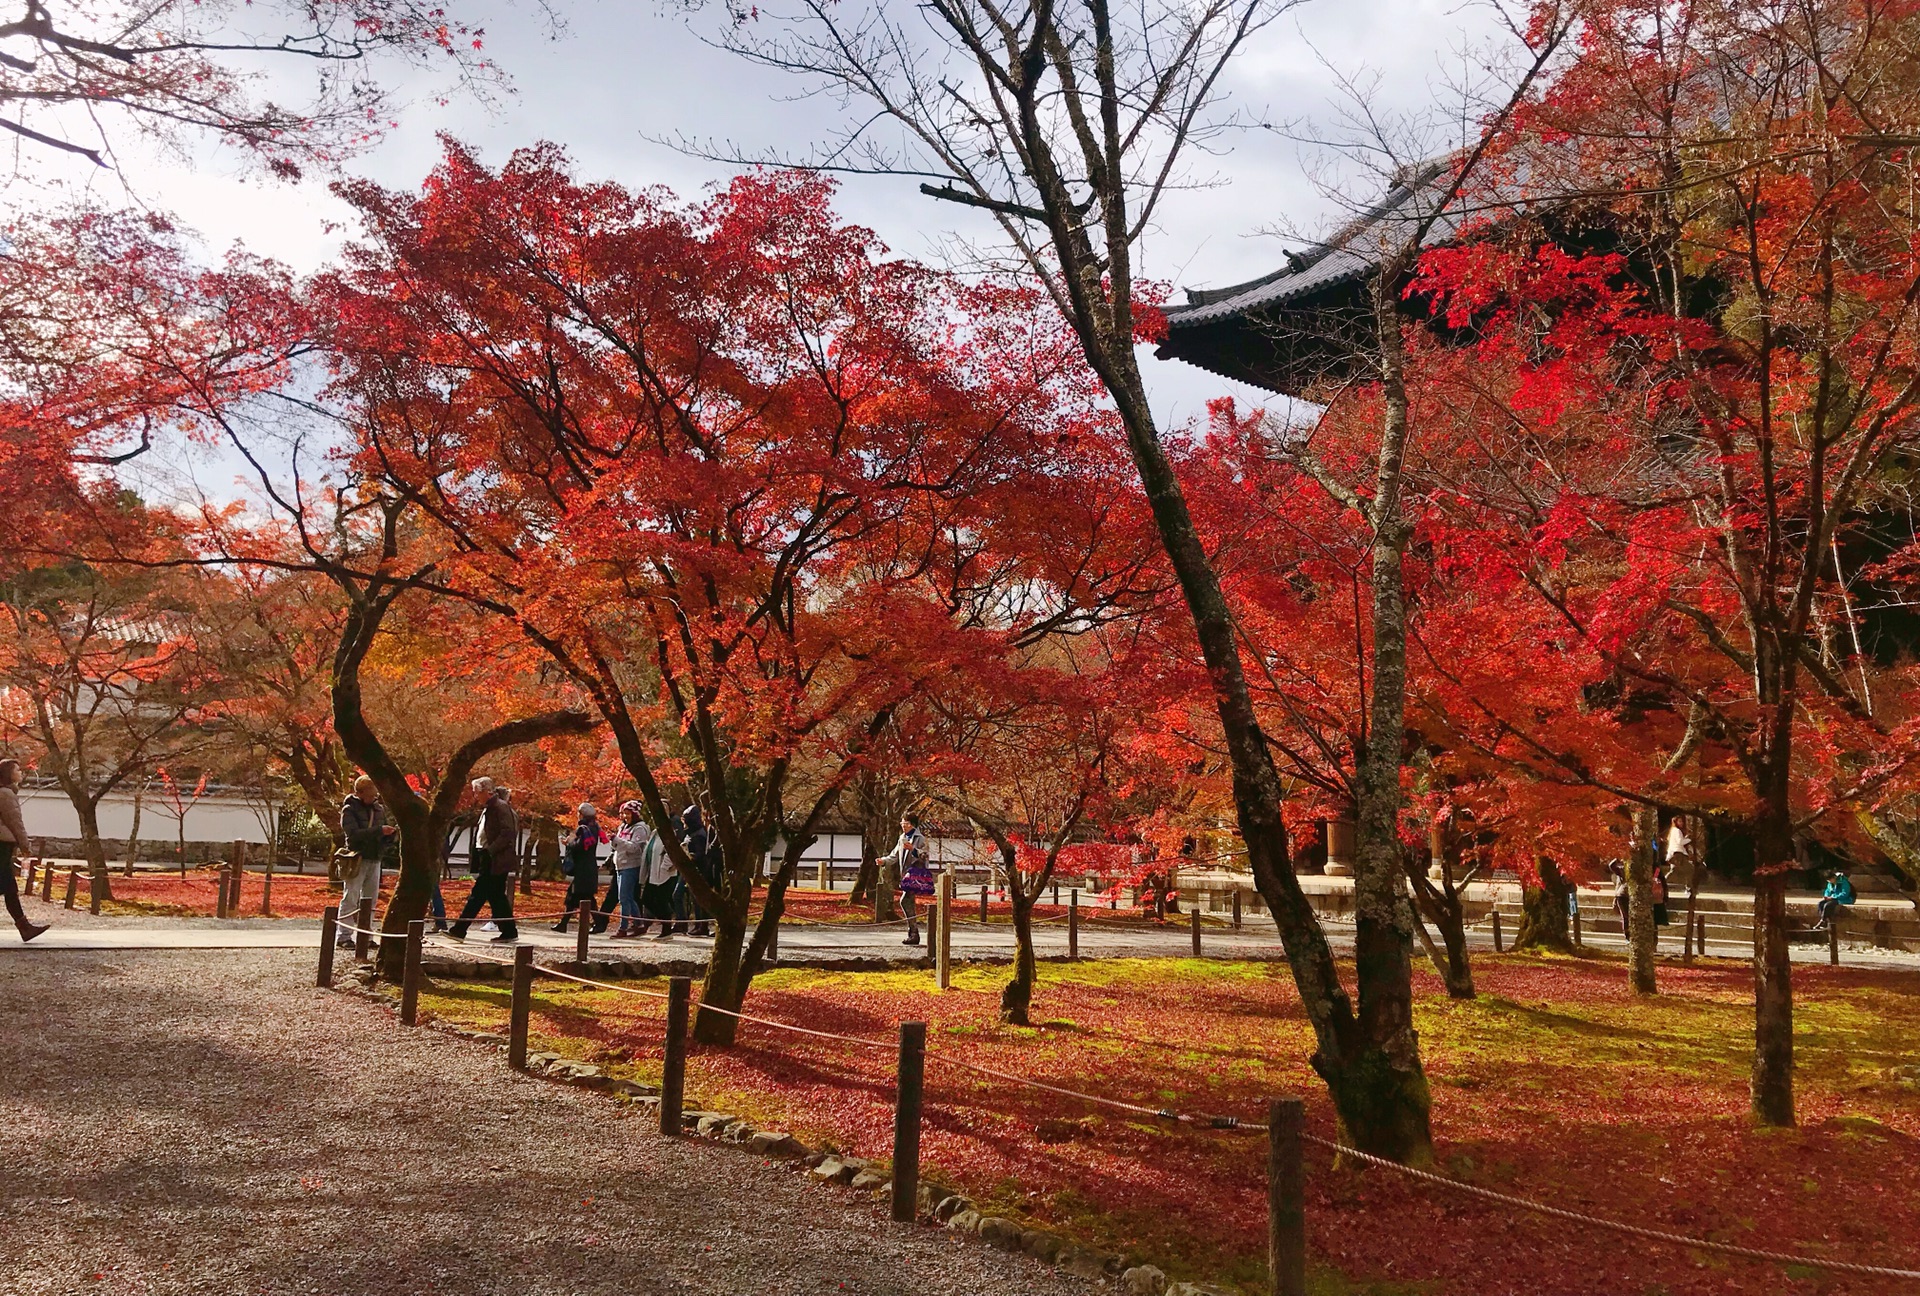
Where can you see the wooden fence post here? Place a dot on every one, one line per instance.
(73, 884)
(239, 873)
(673, 1075)
(1700, 938)
(410, 975)
(329, 928)
(906, 1120)
(1073, 925)
(1056, 893)
(1577, 941)
(1286, 1198)
(983, 905)
(363, 939)
(1833, 941)
(1195, 911)
(221, 891)
(1499, 947)
(522, 1004)
(33, 863)
(46, 880)
(773, 943)
(585, 933)
(943, 923)
(1236, 908)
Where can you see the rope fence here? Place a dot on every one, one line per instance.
(1285, 1126)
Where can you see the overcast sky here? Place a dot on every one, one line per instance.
(621, 74)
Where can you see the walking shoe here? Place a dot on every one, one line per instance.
(440, 924)
(457, 936)
(700, 930)
(29, 930)
(504, 939)
(666, 933)
(913, 938)
(560, 926)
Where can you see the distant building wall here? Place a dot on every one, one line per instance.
(217, 819)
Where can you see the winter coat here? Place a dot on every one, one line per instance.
(583, 847)
(660, 869)
(12, 827)
(1839, 889)
(702, 847)
(630, 846)
(360, 825)
(499, 834)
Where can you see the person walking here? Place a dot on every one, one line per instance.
(496, 853)
(705, 854)
(364, 828)
(1837, 896)
(661, 876)
(580, 861)
(629, 859)
(13, 838)
(909, 858)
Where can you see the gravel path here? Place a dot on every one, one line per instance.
(201, 1123)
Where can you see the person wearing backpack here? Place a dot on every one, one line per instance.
(580, 861)
(364, 827)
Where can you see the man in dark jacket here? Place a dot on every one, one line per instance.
(495, 853)
(364, 827)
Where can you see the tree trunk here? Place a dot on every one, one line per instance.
(869, 876)
(413, 889)
(1442, 906)
(725, 985)
(133, 834)
(93, 847)
(1543, 918)
(1017, 997)
(1771, 1086)
(736, 959)
(1642, 934)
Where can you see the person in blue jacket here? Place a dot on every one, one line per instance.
(1837, 896)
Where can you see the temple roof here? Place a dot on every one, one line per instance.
(1282, 330)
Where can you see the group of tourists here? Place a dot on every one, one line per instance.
(647, 886)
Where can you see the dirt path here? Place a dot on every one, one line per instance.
(210, 1123)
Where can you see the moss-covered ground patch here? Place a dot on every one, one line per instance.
(1556, 1083)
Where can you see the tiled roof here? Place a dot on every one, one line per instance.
(1348, 256)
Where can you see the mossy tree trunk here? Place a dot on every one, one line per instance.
(1543, 916)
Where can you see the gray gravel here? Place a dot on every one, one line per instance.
(211, 1123)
